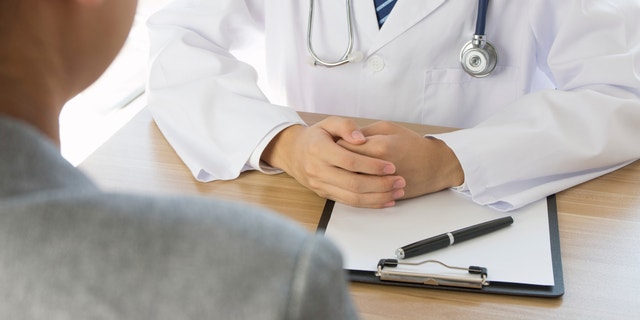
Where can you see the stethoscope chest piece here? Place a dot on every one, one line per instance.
(478, 57)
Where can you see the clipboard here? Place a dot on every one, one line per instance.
(439, 279)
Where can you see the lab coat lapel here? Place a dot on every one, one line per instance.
(404, 15)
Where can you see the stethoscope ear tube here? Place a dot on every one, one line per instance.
(346, 57)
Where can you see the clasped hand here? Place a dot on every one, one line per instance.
(364, 167)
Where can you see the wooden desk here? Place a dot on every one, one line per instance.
(599, 232)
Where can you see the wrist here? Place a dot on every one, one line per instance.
(452, 174)
(277, 151)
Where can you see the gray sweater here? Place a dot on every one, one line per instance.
(71, 251)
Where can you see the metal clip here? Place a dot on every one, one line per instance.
(476, 277)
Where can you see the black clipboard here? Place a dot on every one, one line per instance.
(495, 287)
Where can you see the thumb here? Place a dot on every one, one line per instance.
(344, 129)
(356, 137)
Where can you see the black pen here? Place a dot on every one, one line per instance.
(447, 239)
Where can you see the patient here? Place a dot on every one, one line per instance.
(71, 251)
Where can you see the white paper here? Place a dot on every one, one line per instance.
(520, 253)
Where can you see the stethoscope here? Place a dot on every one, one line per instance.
(478, 57)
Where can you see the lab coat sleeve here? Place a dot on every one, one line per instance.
(551, 140)
(207, 102)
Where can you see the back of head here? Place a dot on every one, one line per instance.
(53, 49)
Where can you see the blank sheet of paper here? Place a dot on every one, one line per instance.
(520, 253)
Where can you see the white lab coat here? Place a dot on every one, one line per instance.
(561, 107)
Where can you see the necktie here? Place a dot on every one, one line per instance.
(383, 8)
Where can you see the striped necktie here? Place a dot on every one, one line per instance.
(383, 8)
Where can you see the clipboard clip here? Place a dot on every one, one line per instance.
(476, 277)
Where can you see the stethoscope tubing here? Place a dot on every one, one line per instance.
(481, 20)
(477, 57)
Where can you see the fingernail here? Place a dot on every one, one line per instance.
(398, 194)
(357, 135)
(400, 183)
(389, 169)
(389, 204)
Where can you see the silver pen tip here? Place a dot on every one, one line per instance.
(400, 254)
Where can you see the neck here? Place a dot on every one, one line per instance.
(32, 96)
(34, 82)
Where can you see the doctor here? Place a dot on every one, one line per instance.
(560, 107)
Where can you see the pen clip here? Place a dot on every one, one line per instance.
(476, 277)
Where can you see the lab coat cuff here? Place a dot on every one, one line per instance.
(461, 188)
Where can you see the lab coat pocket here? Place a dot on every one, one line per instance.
(454, 98)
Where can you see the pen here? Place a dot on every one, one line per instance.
(447, 239)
